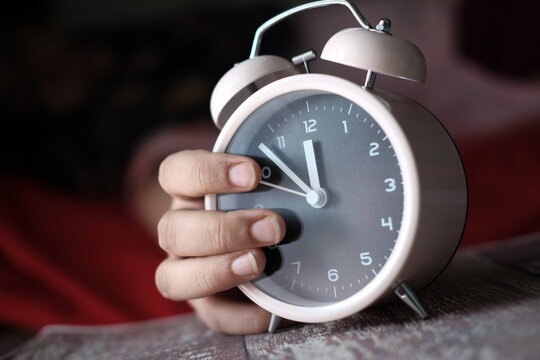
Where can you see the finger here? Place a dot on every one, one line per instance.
(191, 278)
(195, 173)
(185, 233)
(231, 315)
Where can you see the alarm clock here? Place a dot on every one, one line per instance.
(369, 183)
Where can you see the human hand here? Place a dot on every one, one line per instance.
(210, 252)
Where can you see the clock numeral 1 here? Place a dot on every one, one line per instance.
(297, 264)
(374, 147)
(281, 142)
(387, 223)
(345, 126)
(310, 125)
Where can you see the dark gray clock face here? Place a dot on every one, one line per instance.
(331, 172)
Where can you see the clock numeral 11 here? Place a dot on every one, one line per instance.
(281, 142)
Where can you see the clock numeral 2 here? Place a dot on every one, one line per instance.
(310, 125)
(374, 147)
(387, 223)
(281, 142)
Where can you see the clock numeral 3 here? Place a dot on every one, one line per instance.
(391, 185)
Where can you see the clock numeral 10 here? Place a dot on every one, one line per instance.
(333, 275)
(387, 223)
(310, 125)
(281, 142)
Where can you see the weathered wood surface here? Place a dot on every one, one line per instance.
(485, 306)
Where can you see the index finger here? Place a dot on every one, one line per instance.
(195, 173)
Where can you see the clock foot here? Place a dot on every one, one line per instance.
(274, 323)
(408, 296)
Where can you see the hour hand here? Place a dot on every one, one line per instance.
(311, 165)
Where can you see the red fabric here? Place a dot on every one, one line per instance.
(74, 260)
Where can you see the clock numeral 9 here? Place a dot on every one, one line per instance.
(310, 125)
(391, 185)
(374, 147)
(387, 223)
(333, 275)
(365, 258)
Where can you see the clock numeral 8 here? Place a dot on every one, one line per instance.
(333, 275)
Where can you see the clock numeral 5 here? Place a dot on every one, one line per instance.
(310, 125)
(365, 258)
(387, 223)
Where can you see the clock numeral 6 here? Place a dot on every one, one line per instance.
(365, 258)
(387, 223)
(374, 147)
(391, 185)
(333, 275)
(310, 125)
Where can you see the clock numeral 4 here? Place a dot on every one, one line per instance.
(365, 258)
(373, 149)
(310, 125)
(387, 223)
(281, 142)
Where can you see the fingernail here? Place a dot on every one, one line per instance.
(242, 175)
(245, 265)
(266, 230)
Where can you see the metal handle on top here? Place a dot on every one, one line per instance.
(312, 5)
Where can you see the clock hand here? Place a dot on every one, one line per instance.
(311, 165)
(280, 164)
(282, 188)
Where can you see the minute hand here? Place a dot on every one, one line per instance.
(280, 164)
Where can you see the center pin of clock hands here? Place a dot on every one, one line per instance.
(315, 195)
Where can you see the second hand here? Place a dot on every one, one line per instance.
(283, 188)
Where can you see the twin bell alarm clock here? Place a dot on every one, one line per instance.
(369, 183)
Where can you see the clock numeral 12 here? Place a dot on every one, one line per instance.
(281, 142)
(310, 125)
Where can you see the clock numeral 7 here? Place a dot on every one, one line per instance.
(387, 223)
(297, 264)
(310, 125)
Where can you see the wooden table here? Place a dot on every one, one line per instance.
(486, 305)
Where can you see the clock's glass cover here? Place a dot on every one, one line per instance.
(340, 237)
